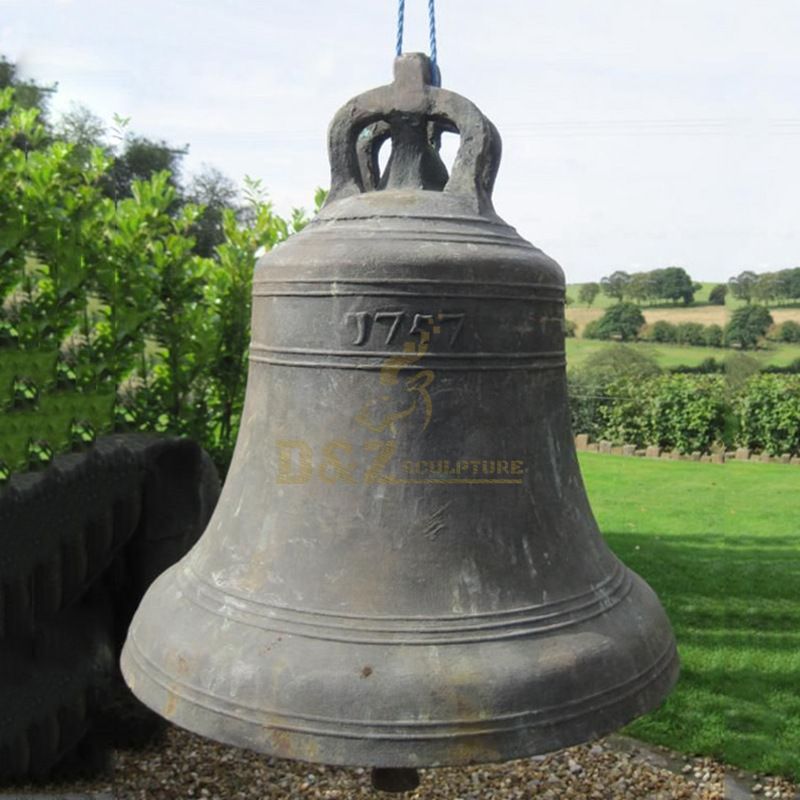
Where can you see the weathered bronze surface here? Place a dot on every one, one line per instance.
(403, 569)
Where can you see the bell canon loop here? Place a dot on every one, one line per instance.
(403, 569)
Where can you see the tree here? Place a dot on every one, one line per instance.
(588, 293)
(616, 284)
(620, 321)
(767, 287)
(640, 286)
(83, 130)
(216, 193)
(793, 283)
(673, 283)
(741, 285)
(747, 326)
(718, 294)
(139, 160)
(27, 94)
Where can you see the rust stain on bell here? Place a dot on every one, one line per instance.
(403, 569)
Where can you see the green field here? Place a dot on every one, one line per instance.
(674, 355)
(721, 547)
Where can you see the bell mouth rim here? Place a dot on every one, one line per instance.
(354, 743)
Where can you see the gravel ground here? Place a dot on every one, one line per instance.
(182, 765)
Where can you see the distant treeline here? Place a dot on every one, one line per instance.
(749, 325)
(674, 284)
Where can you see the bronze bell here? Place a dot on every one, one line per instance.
(403, 569)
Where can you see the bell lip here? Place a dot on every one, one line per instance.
(346, 750)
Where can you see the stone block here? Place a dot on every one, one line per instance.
(795, 461)
(695, 456)
(743, 453)
(766, 458)
(653, 451)
(605, 446)
(718, 458)
(640, 453)
(705, 458)
(616, 450)
(593, 447)
(675, 455)
(786, 458)
(628, 450)
(581, 441)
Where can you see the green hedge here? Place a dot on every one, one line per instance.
(768, 412)
(690, 412)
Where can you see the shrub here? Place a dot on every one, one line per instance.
(589, 391)
(713, 335)
(789, 331)
(661, 331)
(718, 294)
(621, 361)
(768, 411)
(592, 330)
(570, 328)
(747, 326)
(624, 416)
(675, 411)
(689, 333)
(620, 321)
(686, 413)
(138, 330)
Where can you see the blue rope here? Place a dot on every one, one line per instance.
(401, 15)
(432, 29)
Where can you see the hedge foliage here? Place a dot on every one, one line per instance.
(768, 412)
(109, 318)
(689, 412)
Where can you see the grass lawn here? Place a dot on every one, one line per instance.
(720, 544)
(673, 355)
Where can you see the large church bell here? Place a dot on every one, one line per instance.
(403, 569)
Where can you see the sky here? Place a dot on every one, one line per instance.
(636, 133)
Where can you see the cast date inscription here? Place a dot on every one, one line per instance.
(369, 324)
